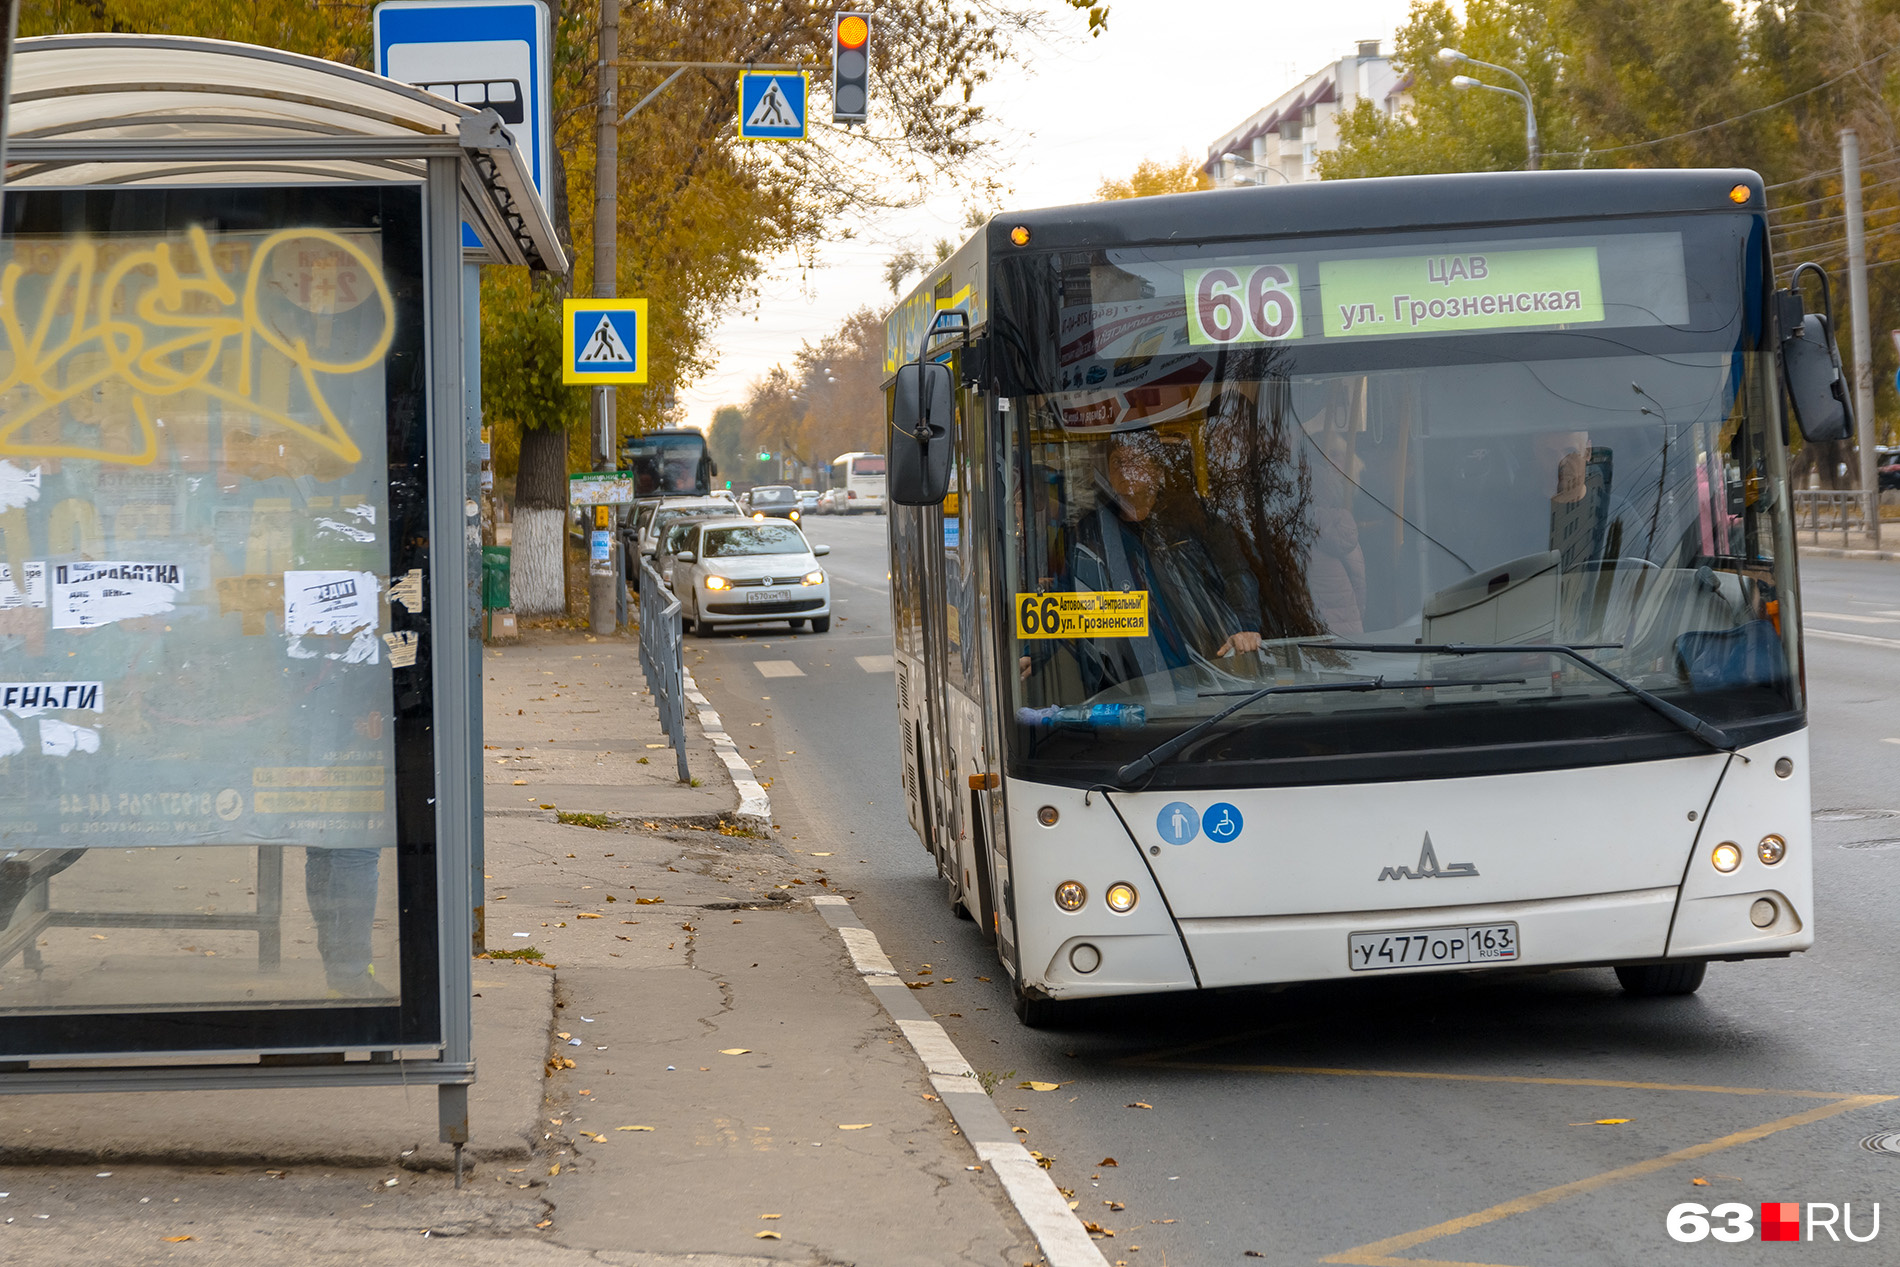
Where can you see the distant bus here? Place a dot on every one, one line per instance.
(670, 463)
(860, 477)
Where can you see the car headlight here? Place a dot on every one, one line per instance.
(758, 514)
(794, 515)
(814, 577)
(718, 583)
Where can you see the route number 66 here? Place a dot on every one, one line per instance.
(1256, 303)
(1690, 1222)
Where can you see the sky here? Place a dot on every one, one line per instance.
(1168, 76)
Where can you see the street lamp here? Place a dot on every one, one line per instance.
(1259, 167)
(1452, 57)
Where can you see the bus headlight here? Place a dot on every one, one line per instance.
(814, 577)
(1726, 856)
(1771, 850)
(718, 583)
(1070, 895)
(1121, 898)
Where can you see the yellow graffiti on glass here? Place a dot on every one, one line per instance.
(151, 369)
(1109, 614)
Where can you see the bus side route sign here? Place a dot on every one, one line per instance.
(1112, 614)
(604, 341)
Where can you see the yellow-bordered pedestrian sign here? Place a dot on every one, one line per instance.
(604, 340)
(772, 105)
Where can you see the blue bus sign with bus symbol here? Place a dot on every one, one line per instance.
(1178, 822)
(604, 341)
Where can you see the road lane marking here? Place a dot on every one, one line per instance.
(877, 663)
(1380, 1253)
(1606, 1083)
(777, 668)
(1830, 635)
(1858, 620)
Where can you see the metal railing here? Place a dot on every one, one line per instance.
(1818, 508)
(662, 658)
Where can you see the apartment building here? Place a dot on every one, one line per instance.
(1283, 141)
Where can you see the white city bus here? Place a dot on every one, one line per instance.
(1379, 576)
(859, 477)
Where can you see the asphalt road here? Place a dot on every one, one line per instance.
(1448, 1120)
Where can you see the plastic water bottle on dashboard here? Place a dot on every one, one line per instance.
(1092, 716)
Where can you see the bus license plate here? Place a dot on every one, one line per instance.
(1433, 947)
(768, 596)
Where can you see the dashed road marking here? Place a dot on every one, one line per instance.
(1829, 635)
(777, 668)
(1858, 620)
(877, 663)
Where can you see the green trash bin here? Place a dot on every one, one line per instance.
(495, 569)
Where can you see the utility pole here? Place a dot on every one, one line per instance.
(1863, 339)
(602, 580)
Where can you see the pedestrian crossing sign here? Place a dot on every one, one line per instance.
(605, 340)
(772, 105)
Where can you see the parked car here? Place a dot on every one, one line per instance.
(807, 500)
(773, 501)
(1887, 467)
(834, 501)
(748, 571)
(654, 521)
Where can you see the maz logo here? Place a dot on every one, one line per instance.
(1428, 868)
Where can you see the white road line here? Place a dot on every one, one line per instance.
(1059, 1233)
(877, 663)
(777, 668)
(755, 807)
(1858, 620)
(1829, 635)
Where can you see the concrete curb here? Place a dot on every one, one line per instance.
(755, 807)
(1064, 1241)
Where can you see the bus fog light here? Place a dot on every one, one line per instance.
(1726, 856)
(1772, 849)
(1120, 898)
(1763, 913)
(1070, 895)
(1048, 815)
(1085, 958)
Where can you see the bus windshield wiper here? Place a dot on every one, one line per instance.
(1712, 735)
(1162, 751)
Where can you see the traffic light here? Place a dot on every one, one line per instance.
(850, 67)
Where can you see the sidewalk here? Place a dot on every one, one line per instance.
(1859, 545)
(693, 1051)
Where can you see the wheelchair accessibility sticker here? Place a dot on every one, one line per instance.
(1222, 823)
(1178, 823)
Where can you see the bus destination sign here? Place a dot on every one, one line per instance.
(1114, 614)
(1479, 290)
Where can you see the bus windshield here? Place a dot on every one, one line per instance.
(669, 464)
(1202, 510)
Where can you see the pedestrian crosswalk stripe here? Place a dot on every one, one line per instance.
(877, 663)
(778, 668)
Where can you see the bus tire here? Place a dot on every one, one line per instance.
(821, 624)
(1658, 980)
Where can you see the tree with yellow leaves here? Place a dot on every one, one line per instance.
(1153, 176)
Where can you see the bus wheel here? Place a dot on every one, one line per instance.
(821, 624)
(1655, 980)
(1040, 1013)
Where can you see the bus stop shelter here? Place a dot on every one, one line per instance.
(240, 781)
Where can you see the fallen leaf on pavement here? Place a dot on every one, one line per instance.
(1108, 1161)
(648, 901)
(555, 1169)
(920, 985)
(1700, 1183)
(734, 1051)
(1075, 1205)
(771, 1216)
(1140, 1105)
(173, 1240)
(821, 855)
(853, 1126)
(1605, 1121)
(1253, 1253)
(1095, 1229)
(1116, 1205)
(767, 1236)
(1039, 1086)
(588, 915)
(633, 1128)
(521, 783)
(598, 1139)
(563, 1034)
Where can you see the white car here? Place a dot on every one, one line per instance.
(748, 571)
(807, 499)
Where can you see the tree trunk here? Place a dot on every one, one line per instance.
(538, 583)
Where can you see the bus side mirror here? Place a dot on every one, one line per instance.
(922, 406)
(1811, 363)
